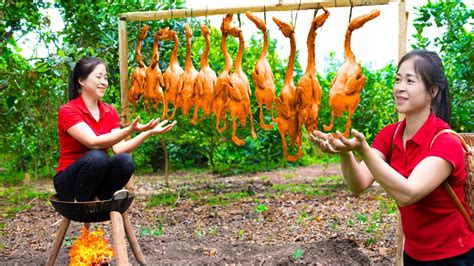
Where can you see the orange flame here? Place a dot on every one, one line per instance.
(91, 249)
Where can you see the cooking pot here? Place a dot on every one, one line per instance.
(91, 211)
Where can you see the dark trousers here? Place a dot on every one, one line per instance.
(95, 174)
(466, 259)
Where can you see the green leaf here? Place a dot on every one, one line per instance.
(297, 254)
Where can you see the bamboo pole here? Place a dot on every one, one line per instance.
(123, 65)
(123, 61)
(274, 6)
(402, 49)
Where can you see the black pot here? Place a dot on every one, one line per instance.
(91, 211)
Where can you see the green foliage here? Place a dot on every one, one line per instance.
(454, 44)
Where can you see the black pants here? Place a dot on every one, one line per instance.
(466, 259)
(94, 175)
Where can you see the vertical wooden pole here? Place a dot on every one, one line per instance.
(123, 65)
(137, 252)
(118, 239)
(402, 49)
(58, 241)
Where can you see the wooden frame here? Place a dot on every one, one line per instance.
(280, 6)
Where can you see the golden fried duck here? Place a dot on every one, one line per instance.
(287, 119)
(220, 92)
(239, 92)
(186, 90)
(344, 95)
(172, 74)
(205, 81)
(308, 90)
(154, 78)
(137, 83)
(262, 76)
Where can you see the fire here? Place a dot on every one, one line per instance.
(91, 249)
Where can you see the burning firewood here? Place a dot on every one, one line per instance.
(91, 248)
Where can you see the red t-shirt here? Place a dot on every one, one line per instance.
(75, 112)
(434, 227)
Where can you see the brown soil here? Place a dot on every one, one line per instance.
(331, 227)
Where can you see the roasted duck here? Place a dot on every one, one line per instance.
(220, 92)
(172, 74)
(262, 76)
(287, 119)
(239, 92)
(186, 90)
(344, 94)
(137, 83)
(205, 81)
(154, 78)
(308, 90)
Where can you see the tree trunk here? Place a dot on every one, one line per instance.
(165, 155)
(211, 151)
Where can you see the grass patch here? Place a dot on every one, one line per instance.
(14, 199)
(306, 189)
(164, 199)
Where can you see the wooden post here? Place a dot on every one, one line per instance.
(402, 49)
(123, 66)
(118, 239)
(137, 252)
(58, 241)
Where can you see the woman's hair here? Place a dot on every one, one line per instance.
(81, 71)
(430, 68)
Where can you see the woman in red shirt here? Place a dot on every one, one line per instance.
(402, 161)
(87, 128)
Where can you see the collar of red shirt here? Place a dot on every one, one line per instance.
(427, 130)
(81, 105)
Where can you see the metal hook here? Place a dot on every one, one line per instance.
(207, 21)
(240, 22)
(191, 18)
(264, 12)
(316, 10)
(350, 12)
(296, 16)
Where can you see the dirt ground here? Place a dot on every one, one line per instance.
(325, 223)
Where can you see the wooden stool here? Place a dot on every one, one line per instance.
(98, 211)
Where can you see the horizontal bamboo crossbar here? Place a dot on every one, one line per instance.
(280, 6)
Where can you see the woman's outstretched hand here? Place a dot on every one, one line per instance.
(162, 127)
(135, 126)
(330, 144)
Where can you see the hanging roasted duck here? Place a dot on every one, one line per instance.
(287, 119)
(262, 76)
(172, 74)
(239, 92)
(308, 90)
(344, 95)
(220, 92)
(154, 78)
(205, 81)
(137, 83)
(186, 90)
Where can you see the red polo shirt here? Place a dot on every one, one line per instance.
(434, 228)
(75, 112)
